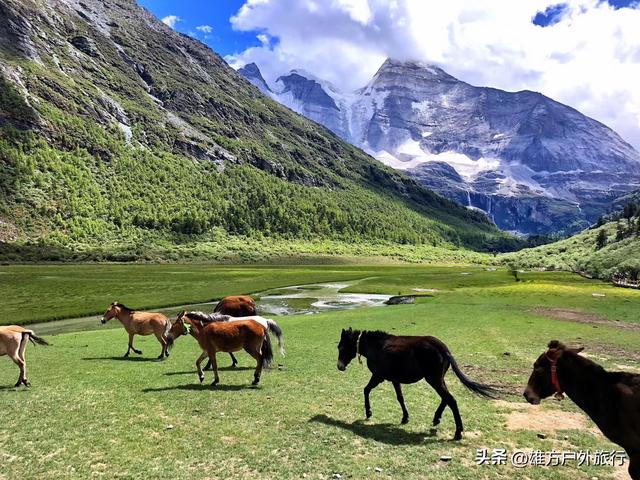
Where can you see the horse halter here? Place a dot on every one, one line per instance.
(554, 377)
(186, 327)
(358, 348)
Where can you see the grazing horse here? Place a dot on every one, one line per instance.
(611, 399)
(140, 323)
(235, 306)
(207, 318)
(13, 342)
(229, 336)
(404, 359)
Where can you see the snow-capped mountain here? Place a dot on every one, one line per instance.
(533, 164)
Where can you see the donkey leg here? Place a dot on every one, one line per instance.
(405, 413)
(373, 383)
(441, 389)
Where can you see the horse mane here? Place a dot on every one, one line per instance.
(123, 306)
(208, 317)
(376, 335)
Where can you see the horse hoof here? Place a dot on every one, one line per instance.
(255, 382)
(201, 378)
(436, 422)
(18, 384)
(126, 355)
(368, 414)
(404, 421)
(215, 382)
(458, 436)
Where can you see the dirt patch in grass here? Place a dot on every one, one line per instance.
(537, 419)
(583, 317)
(620, 354)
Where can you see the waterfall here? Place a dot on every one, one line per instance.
(469, 199)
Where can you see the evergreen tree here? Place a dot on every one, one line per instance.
(601, 239)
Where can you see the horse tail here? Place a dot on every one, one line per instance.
(277, 331)
(484, 390)
(36, 340)
(266, 351)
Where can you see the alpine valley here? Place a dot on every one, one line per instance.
(534, 165)
(122, 139)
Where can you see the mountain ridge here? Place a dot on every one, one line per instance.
(533, 164)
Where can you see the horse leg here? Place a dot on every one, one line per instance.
(234, 362)
(373, 383)
(405, 413)
(163, 342)
(20, 363)
(634, 466)
(438, 414)
(202, 356)
(258, 371)
(214, 365)
(441, 389)
(139, 352)
(23, 347)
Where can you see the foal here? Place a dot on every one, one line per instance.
(13, 342)
(611, 399)
(407, 360)
(140, 323)
(226, 337)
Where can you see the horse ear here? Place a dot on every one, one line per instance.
(576, 350)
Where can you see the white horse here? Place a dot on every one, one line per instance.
(13, 342)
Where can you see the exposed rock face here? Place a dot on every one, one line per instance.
(533, 164)
(252, 73)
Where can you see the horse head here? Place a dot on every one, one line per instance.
(113, 311)
(543, 381)
(347, 348)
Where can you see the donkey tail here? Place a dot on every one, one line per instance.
(267, 352)
(277, 331)
(487, 391)
(36, 340)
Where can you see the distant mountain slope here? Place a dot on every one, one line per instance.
(533, 164)
(115, 128)
(618, 255)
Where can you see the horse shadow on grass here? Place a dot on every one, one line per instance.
(123, 359)
(220, 369)
(381, 432)
(206, 387)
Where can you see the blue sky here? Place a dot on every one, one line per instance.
(584, 53)
(214, 13)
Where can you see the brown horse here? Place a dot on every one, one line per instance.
(140, 323)
(407, 360)
(231, 336)
(13, 342)
(235, 306)
(611, 399)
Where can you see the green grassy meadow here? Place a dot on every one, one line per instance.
(92, 414)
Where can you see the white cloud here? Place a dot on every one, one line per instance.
(205, 28)
(589, 60)
(171, 20)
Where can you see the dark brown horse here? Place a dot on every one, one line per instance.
(235, 306)
(611, 399)
(406, 360)
(226, 337)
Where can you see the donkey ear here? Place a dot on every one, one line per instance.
(576, 350)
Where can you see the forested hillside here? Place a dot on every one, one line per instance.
(117, 132)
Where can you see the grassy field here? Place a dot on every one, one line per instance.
(92, 414)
